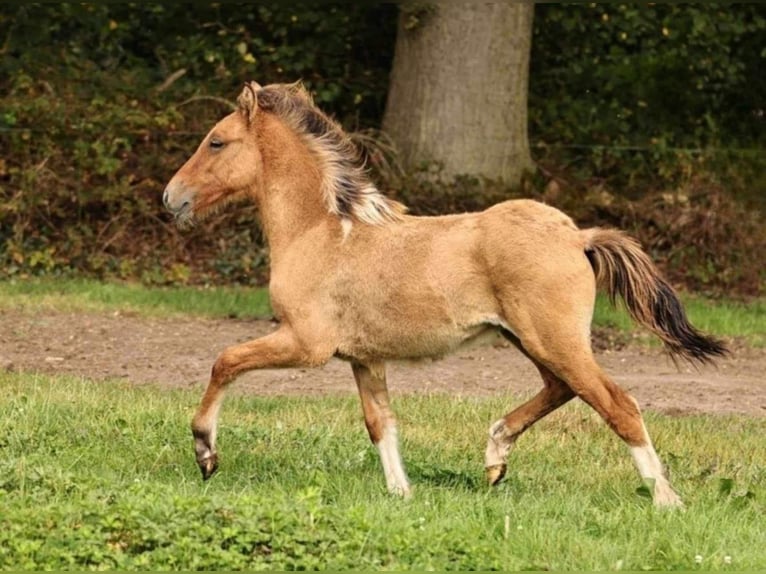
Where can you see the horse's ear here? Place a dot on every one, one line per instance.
(247, 102)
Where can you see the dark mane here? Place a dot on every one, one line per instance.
(347, 189)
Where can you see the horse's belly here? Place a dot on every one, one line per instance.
(418, 343)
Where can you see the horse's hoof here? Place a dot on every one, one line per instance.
(495, 473)
(404, 492)
(208, 466)
(667, 498)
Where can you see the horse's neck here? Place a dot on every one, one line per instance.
(290, 200)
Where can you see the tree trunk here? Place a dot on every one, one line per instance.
(458, 93)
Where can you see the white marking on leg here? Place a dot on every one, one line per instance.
(396, 478)
(212, 422)
(208, 424)
(649, 466)
(498, 445)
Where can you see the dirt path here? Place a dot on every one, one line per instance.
(179, 353)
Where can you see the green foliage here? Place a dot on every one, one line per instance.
(342, 52)
(101, 103)
(643, 80)
(101, 476)
(93, 127)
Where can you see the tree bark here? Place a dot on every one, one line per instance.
(458, 92)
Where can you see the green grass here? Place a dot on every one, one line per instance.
(746, 321)
(101, 475)
(89, 295)
(734, 319)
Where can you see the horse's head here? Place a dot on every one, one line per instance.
(225, 166)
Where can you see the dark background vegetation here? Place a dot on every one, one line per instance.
(649, 118)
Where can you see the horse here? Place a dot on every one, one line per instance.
(353, 276)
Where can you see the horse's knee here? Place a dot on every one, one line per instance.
(223, 369)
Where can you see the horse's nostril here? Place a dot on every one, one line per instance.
(178, 204)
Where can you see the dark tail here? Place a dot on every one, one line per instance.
(623, 268)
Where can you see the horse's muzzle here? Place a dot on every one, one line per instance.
(178, 200)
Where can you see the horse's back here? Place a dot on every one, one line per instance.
(525, 218)
(526, 232)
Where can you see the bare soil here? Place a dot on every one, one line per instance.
(179, 352)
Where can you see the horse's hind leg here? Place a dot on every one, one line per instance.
(504, 432)
(622, 414)
(570, 358)
(381, 423)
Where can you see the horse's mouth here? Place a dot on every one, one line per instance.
(185, 218)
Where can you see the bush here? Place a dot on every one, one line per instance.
(634, 83)
(101, 103)
(97, 122)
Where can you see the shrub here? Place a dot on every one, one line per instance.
(101, 103)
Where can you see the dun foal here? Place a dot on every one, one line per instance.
(353, 276)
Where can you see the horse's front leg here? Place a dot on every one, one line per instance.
(381, 423)
(278, 349)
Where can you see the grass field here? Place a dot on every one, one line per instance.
(724, 318)
(87, 295)
(101, 475)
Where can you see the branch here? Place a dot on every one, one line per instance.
(223, 101)
(170, 80)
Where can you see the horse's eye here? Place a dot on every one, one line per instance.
(215, 143)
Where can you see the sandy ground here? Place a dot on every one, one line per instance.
(179, 352)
